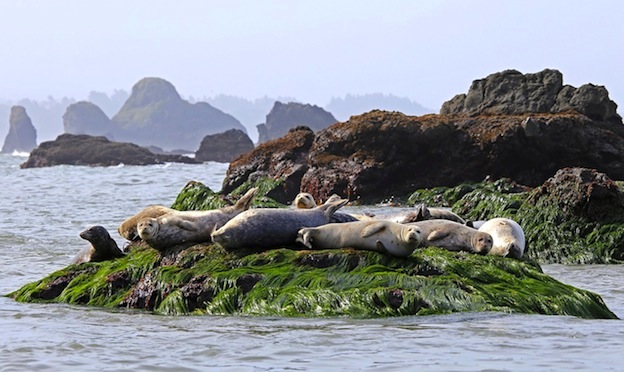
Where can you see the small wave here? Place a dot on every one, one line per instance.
(23, 154)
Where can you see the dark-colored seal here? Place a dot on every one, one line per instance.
(272, 227)
(423, 213)
(189, 227)
(373, 235)
(454, 236)
(102, 247)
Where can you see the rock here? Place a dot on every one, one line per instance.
(87, 118)
(204, 279)
(284, 158)
(224, 147)
(510, 92)
(22, 136)
(283, 117)
(98, 151)
(155, 114)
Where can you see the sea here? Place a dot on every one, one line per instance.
(43, 210)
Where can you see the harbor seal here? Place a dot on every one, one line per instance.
(507, 235)
(305, 200)
(102, 247)
(272, 227)
(423, 213)
(454, 236)
(128, 228)
(189, 227)
(380, 236)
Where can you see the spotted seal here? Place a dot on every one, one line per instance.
(272, 227)
(128, 228)
(374, 235)
(454, 236)
(507, 235)
(102, 247)
(189, 227)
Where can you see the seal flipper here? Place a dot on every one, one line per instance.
(187, 225)
(437, 235)
(371, 230)
(330, 207)
(381, 247)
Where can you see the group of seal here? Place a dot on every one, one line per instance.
(313, 226)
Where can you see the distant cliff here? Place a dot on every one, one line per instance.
(22, 136)
(285, 116)
(343, 108)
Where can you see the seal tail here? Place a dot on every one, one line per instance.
(330, 207)
(245, 201)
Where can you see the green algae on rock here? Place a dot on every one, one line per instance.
(205, 279)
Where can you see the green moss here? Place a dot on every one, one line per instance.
(205, 279)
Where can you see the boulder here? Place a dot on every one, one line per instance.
(510, 92)
(155, 114)
(22, 136)
(283, 117)
(86, 118)
(96, 151)
(224, 147)
(284, 158)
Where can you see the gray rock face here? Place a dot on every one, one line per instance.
(224, 147)
(155, 114)
(510, 93)
(87, 118)
(22, 135)
(283, 117)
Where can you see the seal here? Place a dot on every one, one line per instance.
(128, 228)
(507, 235)
(189, 227)
(374, 235)
(305, 200)
(423, 213)
(454, 236)
(272, 227)
(102, 247)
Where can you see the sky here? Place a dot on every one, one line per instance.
(312, 50)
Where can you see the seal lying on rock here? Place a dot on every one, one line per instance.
(507, 235)
(272, 227)
(454, 236)
(181, 227)
(128, 228)
(381, 236)
(305, 200)
(423, 213)
(102, 247)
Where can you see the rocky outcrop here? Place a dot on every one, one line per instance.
(224, 147)
(510, 93)
(87, 118)
(96, 151)
(283, 158)
(155, 114)
(283, 117)
(22, 136)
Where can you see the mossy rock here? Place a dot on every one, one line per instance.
(205, 279)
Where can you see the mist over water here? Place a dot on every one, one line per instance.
(44, 209)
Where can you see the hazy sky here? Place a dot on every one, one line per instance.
(427, 51)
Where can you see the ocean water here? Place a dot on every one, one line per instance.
(42, 211)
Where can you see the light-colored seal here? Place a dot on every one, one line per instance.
(304, 200)
(128, 228)
(507, 236)
(454, 236)
(381, 236)
(189, 227)
(102, 247)
(272, 227)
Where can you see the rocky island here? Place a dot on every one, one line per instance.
(547, 170)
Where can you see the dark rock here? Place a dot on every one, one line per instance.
(263, 133)
(155, 114)
(283, 117)
(284, 158)
(224, 147)
(87, 150)
(22, 136)
(87, 118)
(510, 92)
